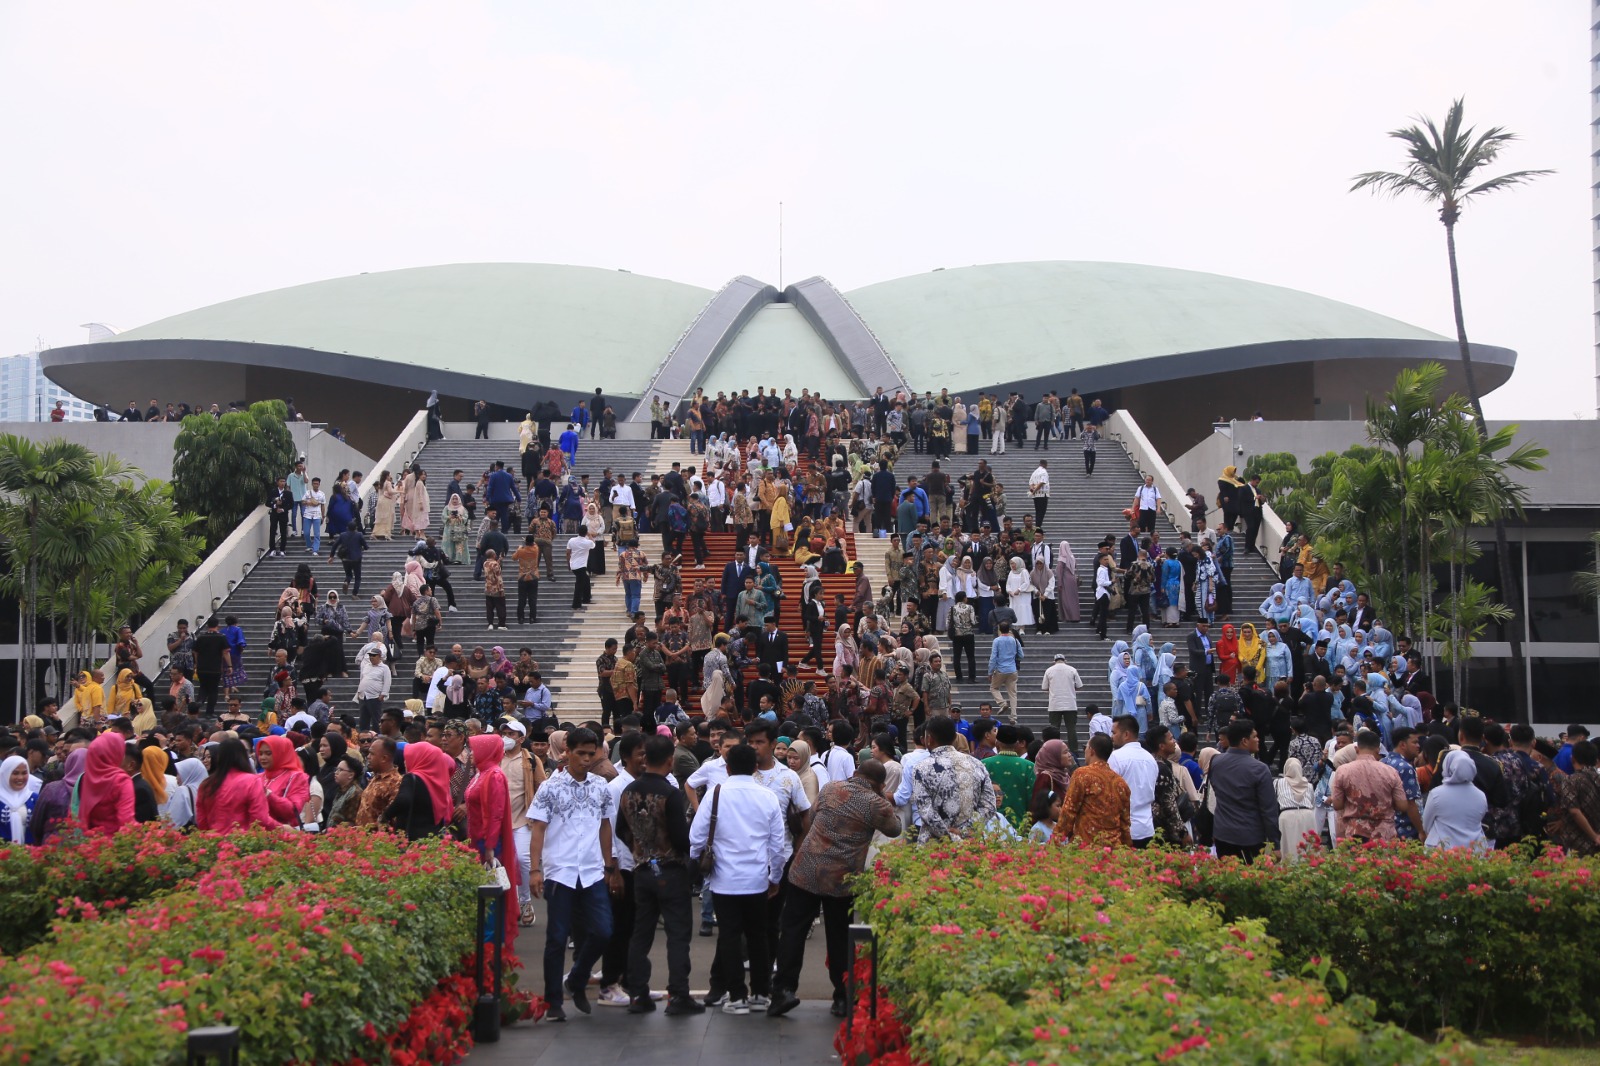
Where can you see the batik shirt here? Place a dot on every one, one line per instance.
(1408, 781)
(936, 692)
(1308, 750)
(951, 795)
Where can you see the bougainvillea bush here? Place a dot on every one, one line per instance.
(1478, 941)
(993, 955)
(320, 948)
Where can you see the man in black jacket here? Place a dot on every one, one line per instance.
(1202, 662)
(773, 647)
(351, 545)
(280, 505)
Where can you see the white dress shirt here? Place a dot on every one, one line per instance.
(709, 774)
(1148, 496)
(785, 786)
(1062, 682)
(1138, 768)
(1039, 482)
(749, 847)
(840, 763)
(716, 493)
(579, 547)
(622, 495)
(572, 811)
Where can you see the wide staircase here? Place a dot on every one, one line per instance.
(559, 640)
(1083, 510)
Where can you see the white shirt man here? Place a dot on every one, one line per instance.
(622, 495)
(785, 786)
(841, 765)
(1062, 683)
(749, 849)
(435, 686)
(578, 549)
(311, 504)
(1138, 768)
(1148, 495)
(1039, 482)
(902, 794)
(716, 493)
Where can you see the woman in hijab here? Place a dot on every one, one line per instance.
(1114, 671)
(19, 797)
(181, 793)
(489, 812)
(454, 541)
(1296, 810)
(330, 750)
(1453, 817)
(341, 511)
(1166, 663)
(125, 695)
(846, 652)
(422, 807)
(384, 497)
(231, 796)
(144, 718)
(54, 805)
(414, 503)
(1228, 653)
(1230, 491)
(1067, 588)
(1044, 590)
(1279, 661)
(153, 763)
(435, 423)
(1053, 768)
(1144, 656)
(105, 792)
(1251, 651)
(287, 784)
(800, 763)
(1019, 590)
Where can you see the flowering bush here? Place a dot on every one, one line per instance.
(1435, 937)
(105, 873)
(320, 948)
(993, 955)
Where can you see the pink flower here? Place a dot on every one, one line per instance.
(1102, 918)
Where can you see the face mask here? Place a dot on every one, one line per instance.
(510, 744)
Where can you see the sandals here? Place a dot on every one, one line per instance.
(526, 918)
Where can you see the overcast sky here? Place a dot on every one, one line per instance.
(164, 156)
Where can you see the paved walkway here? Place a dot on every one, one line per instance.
(613, 1037)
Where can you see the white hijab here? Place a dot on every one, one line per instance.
(16, 800)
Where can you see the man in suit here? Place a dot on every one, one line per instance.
(1362, 615)
(1202, 663)
(1251, 503)
(733, 575)
(501, 495)
(774, 647)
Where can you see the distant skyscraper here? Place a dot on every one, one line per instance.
(26, 395)
(1594, 175)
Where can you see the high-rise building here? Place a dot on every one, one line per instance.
(1594, 176)
(26, 395)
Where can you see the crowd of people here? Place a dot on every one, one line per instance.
(1312, 727)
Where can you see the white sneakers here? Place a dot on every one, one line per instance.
(612, 996)
(736, 1006)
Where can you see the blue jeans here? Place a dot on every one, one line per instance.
(630, 596)
(592, 908)
(313, 530)
(697, 441)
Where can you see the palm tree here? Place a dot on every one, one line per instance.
(1444, 168)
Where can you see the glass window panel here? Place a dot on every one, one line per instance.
(1556, 610)
(1563, 689)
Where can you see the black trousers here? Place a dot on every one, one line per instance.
(209, 684)
(371, 713)
(1088, 461)
(1040, 505)
(482, 432)
(444, 583)
(352, 576)
(528, 599)
(1102, 614)
(967, 646)
(1138, 605)
(799, 911)
(741, 925)
(1247, 852)
(1041, 436)
(614, 962)
(580, 589)
(663, 895)
(278, 532)
(495, 607)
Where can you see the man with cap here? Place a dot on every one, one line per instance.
(524, 775)
(373, 688)
(1062, 683)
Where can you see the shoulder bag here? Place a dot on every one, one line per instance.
(707, 860)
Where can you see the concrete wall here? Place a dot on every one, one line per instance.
(1571, 477)
(149, 445)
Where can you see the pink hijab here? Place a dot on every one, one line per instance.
(434, 767)
(104, 782)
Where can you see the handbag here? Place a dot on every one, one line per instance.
(497, 874)
(707, 860)
(1117, 600)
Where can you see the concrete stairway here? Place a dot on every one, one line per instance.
(1082, 511)
(554, 640)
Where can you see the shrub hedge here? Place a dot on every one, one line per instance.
(320, 948)
(995, 954)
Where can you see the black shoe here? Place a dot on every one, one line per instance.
(783, 1001)
(839, 1008)
(579, 994)
(683, 1005)
(555, 1014)
(705, 928)
(644, 1005)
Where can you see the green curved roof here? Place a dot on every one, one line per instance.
(556, 325)
(949, 327)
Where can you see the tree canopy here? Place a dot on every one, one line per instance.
(223, 467)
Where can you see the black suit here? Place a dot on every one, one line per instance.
(1202, 662)
(733, 575)
(1362, 618)
(774, 648)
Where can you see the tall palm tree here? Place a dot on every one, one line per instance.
(1444, 168)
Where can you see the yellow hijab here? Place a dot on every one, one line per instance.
(125, 693)
(1230, 474)
(153, 768)
(144, 719)
(1251, 650)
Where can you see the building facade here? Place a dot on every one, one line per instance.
(26, 395)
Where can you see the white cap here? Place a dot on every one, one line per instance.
(512, 723)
